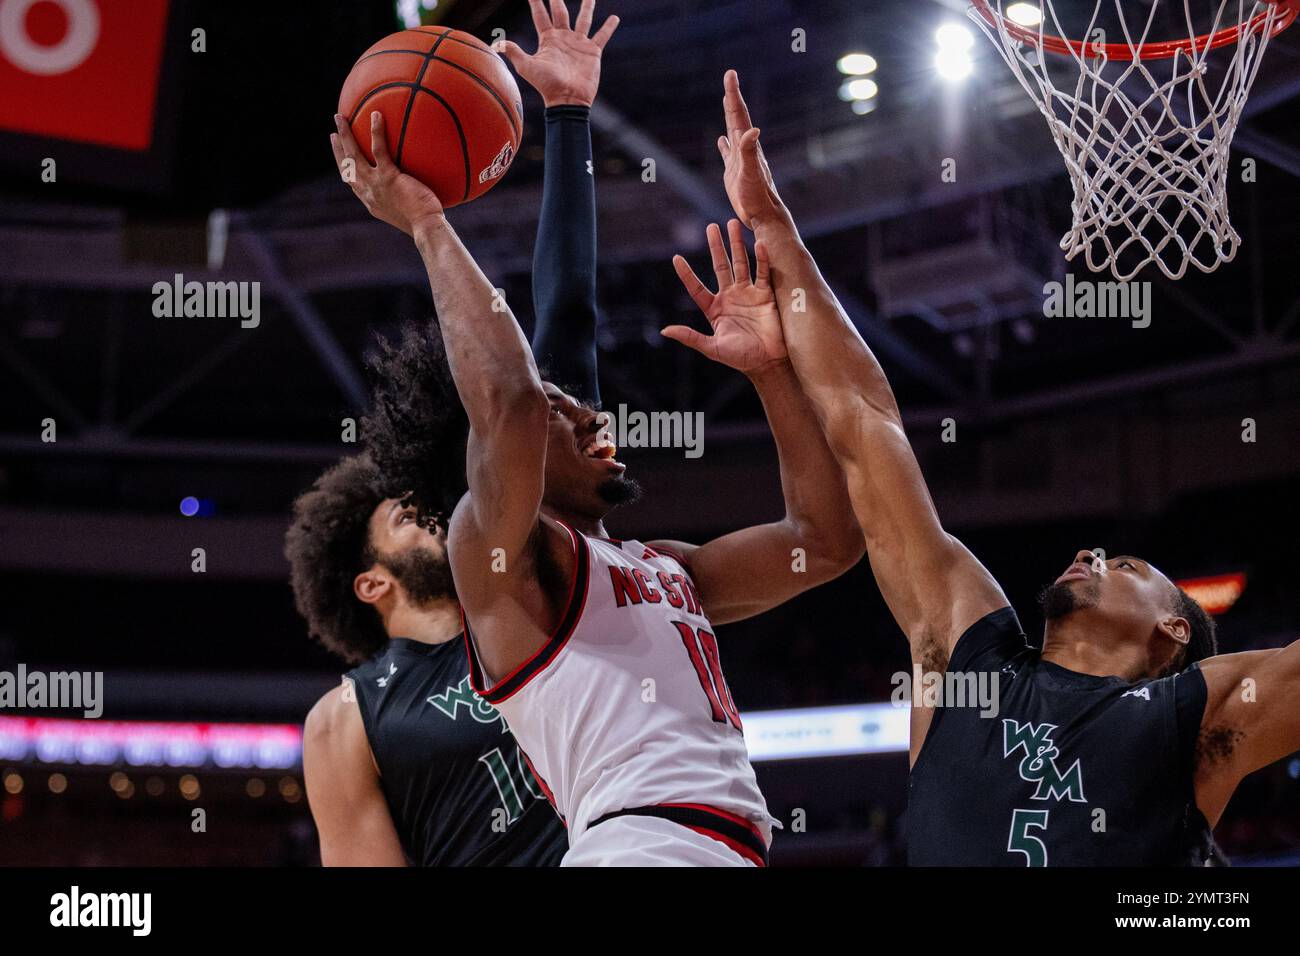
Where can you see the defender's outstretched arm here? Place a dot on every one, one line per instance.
(749, 571)
(935, 588)
(1252, 718)
(565, 70)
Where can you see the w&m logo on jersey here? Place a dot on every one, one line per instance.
(512, 778)
(1038, 766)
(1039, 762)
(461, 695)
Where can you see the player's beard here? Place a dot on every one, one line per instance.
(426, 577)
(1058, 600)
(619, 491)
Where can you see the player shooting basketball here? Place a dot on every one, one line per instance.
(599, 652)
(405, 762)
(1122, 738)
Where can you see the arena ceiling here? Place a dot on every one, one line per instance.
(943, 278)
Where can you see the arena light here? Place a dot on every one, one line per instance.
(126, 744)
(54, 741)
(861, 88)
(826, 731)
(954, 36)
(953, 64)
(1025, 14)
(953, 58)
(857, 64)
(1216, 594)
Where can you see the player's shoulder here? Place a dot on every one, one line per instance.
(678, 551)
(335, 717)
(989, 642)
(1176, 684)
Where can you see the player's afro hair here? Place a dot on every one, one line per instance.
(417, 429)
(328, 545)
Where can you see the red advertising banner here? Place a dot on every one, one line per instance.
(82, 70)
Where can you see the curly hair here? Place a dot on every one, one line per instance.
(417, 429)
(328, 545)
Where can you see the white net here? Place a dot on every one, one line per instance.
(1146, 141)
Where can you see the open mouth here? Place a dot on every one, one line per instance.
(601, 447)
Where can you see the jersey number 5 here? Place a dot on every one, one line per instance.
(1022, 841)
(703, 650)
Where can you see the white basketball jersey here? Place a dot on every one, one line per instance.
(625, 706)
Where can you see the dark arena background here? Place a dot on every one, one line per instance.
(128, 441)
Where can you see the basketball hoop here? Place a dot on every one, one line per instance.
(1144, 128)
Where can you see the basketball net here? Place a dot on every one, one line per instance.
(1143, 124)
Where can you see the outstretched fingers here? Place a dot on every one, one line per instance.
(559, 14)
(689, 337)
(541, 19)
(733, 104)
(739, 254)
(721, 267)
(605, 32)
(582, 26)
(696, 289)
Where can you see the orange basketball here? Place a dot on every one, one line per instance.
(451, 109)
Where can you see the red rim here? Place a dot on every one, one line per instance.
(1147, 51)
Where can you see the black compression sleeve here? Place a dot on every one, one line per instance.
(564, 260)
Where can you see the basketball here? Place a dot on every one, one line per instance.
(452, 112)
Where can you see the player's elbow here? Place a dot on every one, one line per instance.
(832, 547)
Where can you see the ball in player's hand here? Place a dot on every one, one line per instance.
(452, 111)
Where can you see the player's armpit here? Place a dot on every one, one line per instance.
(347, 803)
(1252, 718)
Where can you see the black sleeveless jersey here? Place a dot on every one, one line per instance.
(458, 788)
(1072, 770)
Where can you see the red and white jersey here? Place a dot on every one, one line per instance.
(625, 707)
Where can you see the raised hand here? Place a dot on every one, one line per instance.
(746, 175)
(566, 67)
(746, 325)
(388, 193)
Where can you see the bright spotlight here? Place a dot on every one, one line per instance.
(954, 36)
(1025, 14)
(859, 89)
(857, 64)
(953, 64)
(863, 107)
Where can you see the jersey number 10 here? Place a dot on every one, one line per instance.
(703, 650)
